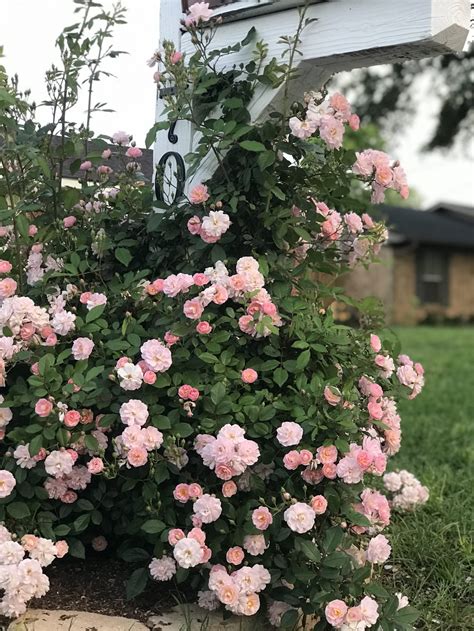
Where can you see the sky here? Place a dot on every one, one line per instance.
(28, 30)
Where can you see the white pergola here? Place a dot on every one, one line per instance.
(346, 34)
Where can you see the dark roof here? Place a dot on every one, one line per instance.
(427, 226)
(115, 162)
(455, 210)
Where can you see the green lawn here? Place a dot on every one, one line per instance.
(433, 549)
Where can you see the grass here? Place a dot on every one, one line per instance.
(433, 548)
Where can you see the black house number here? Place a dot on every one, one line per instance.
(169, 187)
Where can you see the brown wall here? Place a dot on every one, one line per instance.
(393, 280)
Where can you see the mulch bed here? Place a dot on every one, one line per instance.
(98, 585)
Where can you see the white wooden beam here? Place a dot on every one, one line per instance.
(347, 34)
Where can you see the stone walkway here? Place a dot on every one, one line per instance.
(189, 618)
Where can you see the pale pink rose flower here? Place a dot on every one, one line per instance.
(378, 550)
(331, 131)
(82, 348)
(319, 504)
(199, 193)
(43, 407)
(72, 418)
(306, 457)
(368, 221)
(187, 552)
(137, 456)
(235, 555)
(121, 138)
(262, 518)
(86, 166)
(292, 460)
(175, 535)
(300, 517)
(229, 488)
(194, 225)
(95, 299)
(289, 434)
(157, 76)
(176, 57)
(335, 612)
(195, 490)
(369, 609)
(255, 544)
(193, 309)
(353, 222)
(95, 466)
(5, 267)
(162, 569)
(203, 328)
(354, 122)
(198, 12)
(62, 548)
(354, 614)
(134, 152)
(7, 288)
(228, 594)
(332, 395)
(134, 412)
(302, 129)
(207, 508)
(249, 375)
(157, 355)
(181, 493)
(249, 604)
(69, 221)
(7, 483)
(327, 455)
(329, 470)
(375, 343)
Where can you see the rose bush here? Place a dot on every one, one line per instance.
(175, 384)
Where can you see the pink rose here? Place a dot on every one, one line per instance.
(375, 343)
(95, 466)
(175, 535)
(176, 57)
(200, 280)
(305, 457)
(69, 221)
(134, 152)
(319, 504)
(99, 544)
(181, 493)
(199, 194)
(249, 375)
(194, 225)
(193, 309)
(378, 550)
(332, 395)
(62, 548)
(137, 456)
(106, 153)
(327, 455)
(335, 612)
(149, 377)
(262, 518)
(82, 348)
(354, 122)
(235, 555)
(229, 488)
(203, 328)
(5, 267)
(86, 165)
(292, 460)
(72, 418)
(289, 434)
(43, 407)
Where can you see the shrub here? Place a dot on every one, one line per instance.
(175, 384)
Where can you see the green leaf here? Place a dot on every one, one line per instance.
(137, 582)
(217, 392)
(81, 522)
(35, 445)
(407, 615)
(332, 539)
(252, 145)
(18, 510)
(303, 359)
(183, 429)
(124, 256)
(91, 443)
(289, 619)
(309, 549)
(153, 526)
(135, 555)
(76, 548)
(280, 376)
(95, 313)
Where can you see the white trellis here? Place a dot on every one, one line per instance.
(347, 34)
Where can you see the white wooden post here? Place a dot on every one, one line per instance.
(347, 34)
